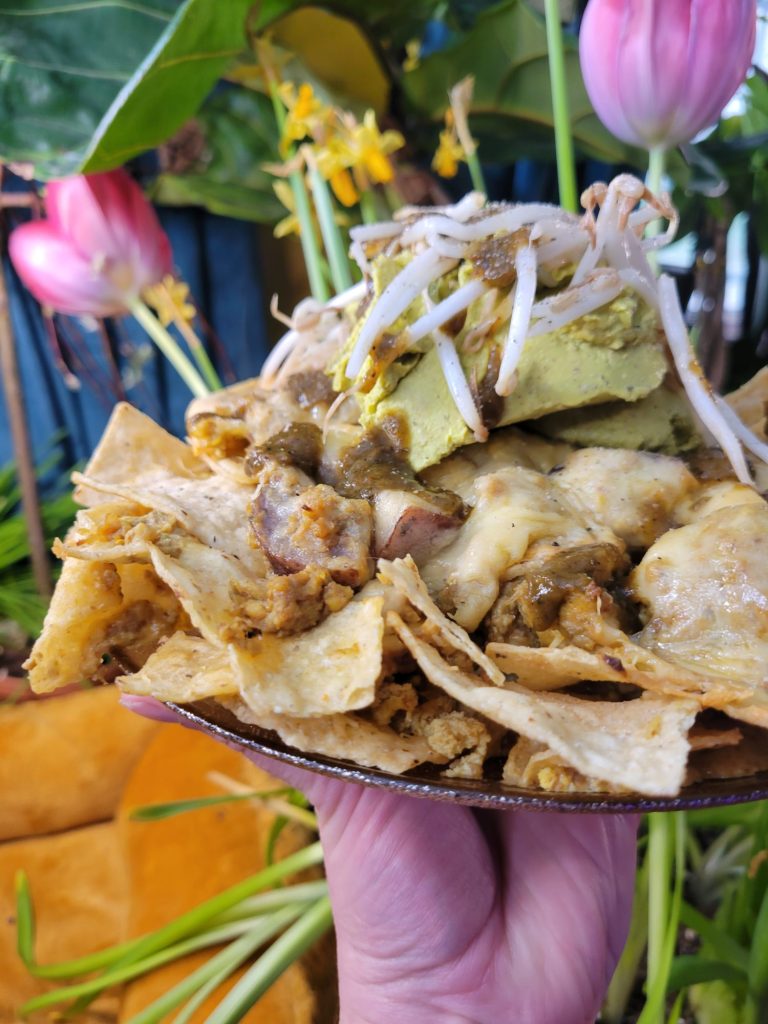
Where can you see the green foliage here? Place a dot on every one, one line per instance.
(19, 600)
(86, 85)
(238, 126)
(391, 22)
(511, 114)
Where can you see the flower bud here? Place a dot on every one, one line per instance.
(659, 71)
(100, 247)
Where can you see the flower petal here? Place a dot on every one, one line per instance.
(58, 275)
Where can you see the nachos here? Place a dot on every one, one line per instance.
(481, 512)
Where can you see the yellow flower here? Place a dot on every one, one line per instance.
(169, 300)
(334, 160)
(306, 113)
(288, 225)
(373, 148)
(448, 154)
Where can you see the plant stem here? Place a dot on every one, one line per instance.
(329, 229)
(659, 861)
(219, 967)
(624, 977)
(187, 924)
(566, 166)
(169, 348)
(476, 171)
(657, 159)
(309, 246)
(368, 207)
(198, 350)
(271, 964)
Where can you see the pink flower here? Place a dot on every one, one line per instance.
(100, 247)
(659, 71)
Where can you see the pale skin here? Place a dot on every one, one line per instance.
(459, 916)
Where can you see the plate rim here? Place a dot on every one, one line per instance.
(464, 792)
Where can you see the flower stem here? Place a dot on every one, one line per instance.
(476, 171)
(332, 240)
(169, 348)
(201, 357)
(566, 166)
(657, 159)
(307, 236)
(368, 209)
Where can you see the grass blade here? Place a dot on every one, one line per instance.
(158, 812)
(186, 924)
(724, 946)
(219, 967)
(271, 964)
(25, 921)
(694, 970)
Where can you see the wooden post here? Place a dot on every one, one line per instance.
(14, 402)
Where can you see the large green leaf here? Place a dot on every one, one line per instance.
(511, 114)
(87, 84)
(239, 133)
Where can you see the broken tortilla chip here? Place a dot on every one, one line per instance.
(403, 575)
(213, 509)
(135, 451)
(98, 606)
(343, 737)
(329, 669)
(639, 744)
(184, 669)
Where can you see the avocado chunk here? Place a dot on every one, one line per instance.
(614, 353)
(660, 422)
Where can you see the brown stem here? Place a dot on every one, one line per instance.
(14, 401)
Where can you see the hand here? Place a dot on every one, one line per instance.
(447, 915)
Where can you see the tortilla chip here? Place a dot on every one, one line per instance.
(326, 670)
(84, 621)
(113, 532)
(184, 669)
(342, 737)
(403, 575)
(639, 744)
(135, 451)
(552, 668)
(201, 578)
(532, 765)
(213, 509)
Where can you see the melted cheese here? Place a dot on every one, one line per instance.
(632, 493)
(705, 586)
(512, 509)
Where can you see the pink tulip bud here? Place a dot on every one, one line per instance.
(100, 247)
(659, 71)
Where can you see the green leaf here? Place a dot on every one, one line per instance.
(237, 127)
(25, 921)
(721, 943)
(693, 970)
(271, 964)
(511, 113)
(85, 84)
(158, 812)
(757, 969)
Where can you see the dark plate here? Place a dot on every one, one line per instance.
(426, 781)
